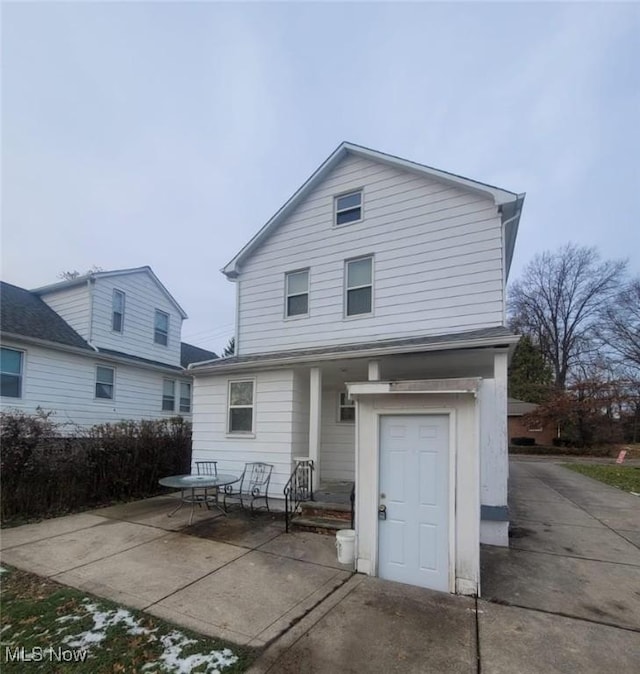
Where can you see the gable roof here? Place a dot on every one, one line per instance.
(25, 314)
(194, 354)
(92, 276)
(509, 203)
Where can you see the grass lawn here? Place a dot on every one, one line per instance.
(64, 630)
(626, 478)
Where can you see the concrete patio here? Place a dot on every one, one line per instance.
(237, 577)
(564, 598)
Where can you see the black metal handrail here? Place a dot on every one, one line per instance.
(299, 488)
(352, 498)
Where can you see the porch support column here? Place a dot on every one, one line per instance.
(374, 370)
(500, 369)
(315, 413)
(494, 456)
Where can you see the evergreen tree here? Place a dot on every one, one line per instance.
(230, 348)
(530, 377)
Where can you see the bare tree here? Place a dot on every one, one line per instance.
(620, 325)
(72, 274)
(559, 301)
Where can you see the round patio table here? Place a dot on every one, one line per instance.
(187, 484)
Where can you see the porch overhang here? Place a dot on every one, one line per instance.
(491, 338)
(417, 386)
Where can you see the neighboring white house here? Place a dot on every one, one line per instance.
(370, 336)
(99, 348)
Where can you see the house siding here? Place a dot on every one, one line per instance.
(337, 448)
(74, 305)
(65, 384)
(273, 437)
(142, 298)
(438, 259)
(300, 412)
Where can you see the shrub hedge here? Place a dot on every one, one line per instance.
(46, 473)
(523, 441)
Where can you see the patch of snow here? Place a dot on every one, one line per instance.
(3, 570)
(173, 661)
(102, 621)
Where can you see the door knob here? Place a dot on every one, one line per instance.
(382, 512)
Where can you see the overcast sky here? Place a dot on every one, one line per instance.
(167, 134)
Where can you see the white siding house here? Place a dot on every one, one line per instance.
(90, 350)
(370, 315)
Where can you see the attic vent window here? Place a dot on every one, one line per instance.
(348, 208)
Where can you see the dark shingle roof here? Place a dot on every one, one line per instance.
(516, 408)
(139, 359)
(352, 349)
(194, 354)
(24, 313)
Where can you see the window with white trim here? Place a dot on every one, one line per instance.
(346, 408)
(168, 395)
(348, 208)
(117, 311)
(297, 293)
(359, 286)
(11, 363)
(161, 328)
(241, 406)
(105, 380)
(185, 396)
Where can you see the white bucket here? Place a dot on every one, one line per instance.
(346, 546)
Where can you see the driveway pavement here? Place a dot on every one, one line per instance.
(564, 598)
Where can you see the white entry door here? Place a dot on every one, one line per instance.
(413, 540)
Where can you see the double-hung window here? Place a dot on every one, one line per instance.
(11, 372)
(117, 313)
(161, 328)
(168, 395)
(185, 396)
(346, 408)
(241, 406)
(359, 286)
(297, 293)
(348, 208)
(105, 378)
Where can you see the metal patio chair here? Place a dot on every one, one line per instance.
(252, 486)
(207, 468)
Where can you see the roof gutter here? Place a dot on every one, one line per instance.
(92, 353)
(36, 341)
(198, 369)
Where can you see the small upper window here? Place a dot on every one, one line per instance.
(168, 395)
(161, 328)
(104, 382)
(117, 315)
(359, 286)
(297, 290)
(185, 397)
(11, 372)
(346, 408)
(348, 208)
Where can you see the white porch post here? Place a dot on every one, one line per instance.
(500, 374)
(494, 455)
(374, 370)
(315, 413)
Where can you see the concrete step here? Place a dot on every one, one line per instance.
(321, 525)
(339, 511)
